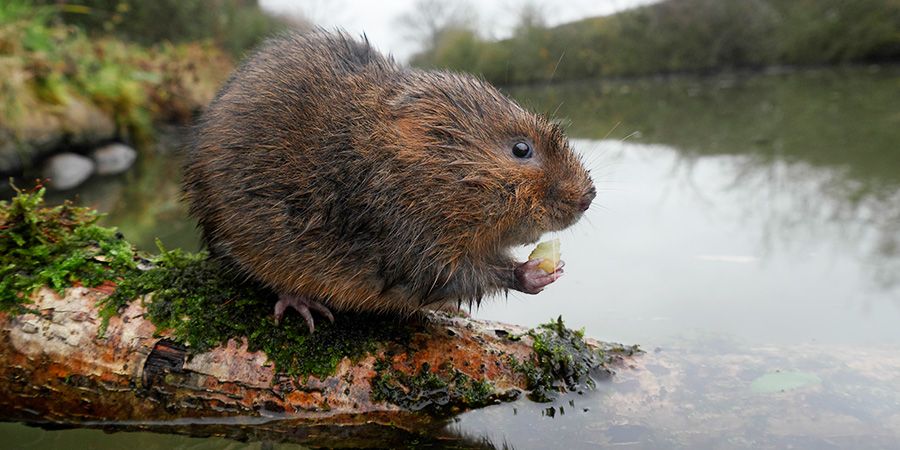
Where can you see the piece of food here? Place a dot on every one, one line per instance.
(549, 251)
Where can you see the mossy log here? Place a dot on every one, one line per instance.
(58, 368)
(96, 332)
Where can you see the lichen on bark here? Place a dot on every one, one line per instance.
(439, 391)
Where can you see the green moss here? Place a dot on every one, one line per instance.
(55, 247)
(444, 390)
(562, 360)
(202, 305)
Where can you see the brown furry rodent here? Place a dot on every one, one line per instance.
(337, 177)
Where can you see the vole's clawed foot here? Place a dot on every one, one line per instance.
(531, 279)
(302, 305)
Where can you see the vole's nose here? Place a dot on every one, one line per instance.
(587, 198)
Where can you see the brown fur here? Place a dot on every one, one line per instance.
(324, 169)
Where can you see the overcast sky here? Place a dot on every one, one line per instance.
(378, 18)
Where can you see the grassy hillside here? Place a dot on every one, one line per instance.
(681, 36)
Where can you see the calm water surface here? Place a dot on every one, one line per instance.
(746, 233)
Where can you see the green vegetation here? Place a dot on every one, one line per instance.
(55, 247)
(45, 66)
(232, 25)
(679, 36)
(563, 361)
(441, 391)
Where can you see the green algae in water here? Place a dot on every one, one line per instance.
(203, 305)
(438, 391)
(562, 360)
(56, 247)
(783, 381)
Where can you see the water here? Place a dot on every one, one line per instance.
(746, 233)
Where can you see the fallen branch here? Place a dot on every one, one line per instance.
(56, 368)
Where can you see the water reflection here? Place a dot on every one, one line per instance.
(710, 396)
(846, 119)
(240, 433)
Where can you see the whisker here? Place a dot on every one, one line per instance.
(557, 65)
(633, 133)
(611, 130)
(557, 109)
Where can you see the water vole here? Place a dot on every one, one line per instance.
(343, 180)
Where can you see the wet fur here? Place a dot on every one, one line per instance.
(325, 169)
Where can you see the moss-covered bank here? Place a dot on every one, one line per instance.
(192, 297)
(203, 305)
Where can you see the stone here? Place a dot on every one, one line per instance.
(67, 170)
(113, 158)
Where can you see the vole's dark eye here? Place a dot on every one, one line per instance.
(522, 150)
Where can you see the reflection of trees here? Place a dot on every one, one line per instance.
(817, 153)
(796, 205)
(797, 201)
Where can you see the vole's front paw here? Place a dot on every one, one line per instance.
(531, 279)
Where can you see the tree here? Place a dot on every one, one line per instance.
(430, 19)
